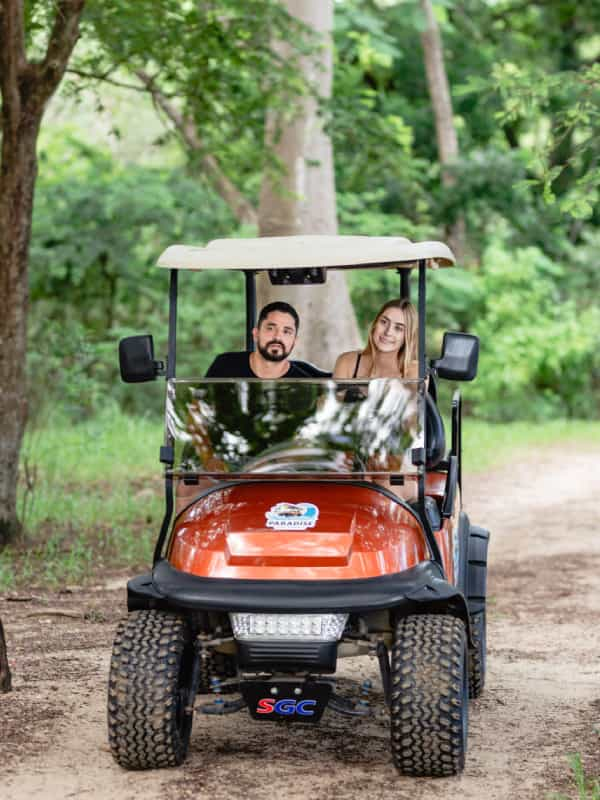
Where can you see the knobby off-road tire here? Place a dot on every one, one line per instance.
(476, 600)
(477, 655)
(149, 679)
(429, 709)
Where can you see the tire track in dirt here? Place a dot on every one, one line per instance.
(541, 702)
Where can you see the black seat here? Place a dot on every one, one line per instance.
(434, 434)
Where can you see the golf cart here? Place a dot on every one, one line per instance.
(295, 547)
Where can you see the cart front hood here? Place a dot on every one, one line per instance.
(296, 530)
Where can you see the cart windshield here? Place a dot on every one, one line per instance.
(286, 429)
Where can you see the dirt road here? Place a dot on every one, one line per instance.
(542, 699)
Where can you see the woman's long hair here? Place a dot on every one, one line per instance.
(408, 352)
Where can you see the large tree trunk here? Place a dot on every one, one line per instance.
(5, 677)
(439, 92)
(16, 203)
(302, 200)
(25, 88)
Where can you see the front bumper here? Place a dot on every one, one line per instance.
(420, 589)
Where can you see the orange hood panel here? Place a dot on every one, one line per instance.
(295, 531)
(272, 549)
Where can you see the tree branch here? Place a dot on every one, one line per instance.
(105, 79)
(242, 209)
(63, 38)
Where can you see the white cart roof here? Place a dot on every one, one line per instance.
(291, 252)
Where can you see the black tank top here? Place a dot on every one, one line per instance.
(357, 365)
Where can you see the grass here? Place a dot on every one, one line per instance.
(91, 499)
(91, 495)
(587, 788)
(487, 445)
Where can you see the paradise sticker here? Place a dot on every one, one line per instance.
(292, 516)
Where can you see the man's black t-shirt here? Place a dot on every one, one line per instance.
(237, 365)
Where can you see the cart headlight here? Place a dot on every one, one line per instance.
(319, 627)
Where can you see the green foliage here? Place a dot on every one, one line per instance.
(98, 229)
(543, 69)
(539, 349)
(90, 498)
(560, 107)
(525, 92)
(215, 62)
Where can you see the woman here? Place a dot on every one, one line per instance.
(391, 350)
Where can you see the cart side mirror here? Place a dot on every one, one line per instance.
(136, 359)
(460, 354)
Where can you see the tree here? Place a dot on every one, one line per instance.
(5, 677)
(299, 197)
(211, 72)
(270, 56)
(26, 85)
(439, 91)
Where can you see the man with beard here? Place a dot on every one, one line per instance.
(274, 336)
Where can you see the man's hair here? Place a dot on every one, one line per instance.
(279, 305)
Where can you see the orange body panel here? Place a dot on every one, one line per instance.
(435, 484)
(445, 542)
(359, 533)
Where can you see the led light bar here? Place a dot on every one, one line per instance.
(312, 627)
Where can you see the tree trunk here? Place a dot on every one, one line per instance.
(5, 677)
(439, 92)
(16, 203)
(25, 88)
(302, 199)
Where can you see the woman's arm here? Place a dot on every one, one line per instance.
(344, 366)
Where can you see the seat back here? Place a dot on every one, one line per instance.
(435, 438)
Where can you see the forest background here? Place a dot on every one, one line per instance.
(157, 135)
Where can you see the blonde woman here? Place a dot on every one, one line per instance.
(391, 350)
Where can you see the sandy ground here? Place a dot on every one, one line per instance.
(542, 699)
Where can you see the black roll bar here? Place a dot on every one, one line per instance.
(167, 453)
(429, 535)
(404, 283)
(250, 277)
(457, 432)
(172, 347)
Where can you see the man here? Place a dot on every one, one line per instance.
(274, 336)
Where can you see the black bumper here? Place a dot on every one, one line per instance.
(414, 590)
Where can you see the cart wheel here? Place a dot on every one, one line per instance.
(430, 697)
(476, 600)
(477, 655)
(148, 689)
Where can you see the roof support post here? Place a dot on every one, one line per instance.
(167, 452)
(422, 307)
(404, 283)
(172, 348)
(429, 535)
(250, 277)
